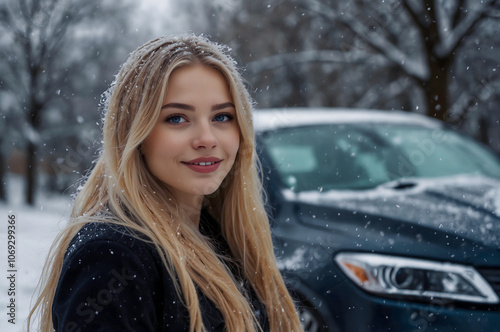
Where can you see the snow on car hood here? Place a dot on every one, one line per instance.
(463, 205)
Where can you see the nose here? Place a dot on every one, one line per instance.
(204, 137)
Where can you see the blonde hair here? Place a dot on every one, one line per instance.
(121, 190)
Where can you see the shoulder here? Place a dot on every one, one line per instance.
(105, 249)
(101, 232)
(108, 249)
(112, 279)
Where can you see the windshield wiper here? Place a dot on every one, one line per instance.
(401, 184)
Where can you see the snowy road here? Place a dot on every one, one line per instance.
(35, 229)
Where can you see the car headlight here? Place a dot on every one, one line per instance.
(415, 278)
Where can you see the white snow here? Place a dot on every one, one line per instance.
(269, 119)
(36, 227)
(294, 262)
(493, 195)
(385, 190)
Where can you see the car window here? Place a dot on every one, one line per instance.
(421, 152)
(354, 157)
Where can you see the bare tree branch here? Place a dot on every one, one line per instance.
(495, 14)
(457, 15)
(463, 28)
(416, 14)
(312, 56)
(372, 95)
(412, 67)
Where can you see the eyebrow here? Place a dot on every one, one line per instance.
(187, 107)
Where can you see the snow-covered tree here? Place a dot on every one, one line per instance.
(422, 37)
(50, 48)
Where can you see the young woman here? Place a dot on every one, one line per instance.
(169, 232)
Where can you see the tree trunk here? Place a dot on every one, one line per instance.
(31, 157)
(3, 179)
(299, 96)
(483, 133)
(436, 89)
(31, 173)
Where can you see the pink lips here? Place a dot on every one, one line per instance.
(204, 164)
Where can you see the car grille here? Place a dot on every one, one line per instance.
(492, 275)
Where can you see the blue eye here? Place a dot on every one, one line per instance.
(223, 117)
(175, 119)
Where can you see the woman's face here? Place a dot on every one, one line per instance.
(194, 142)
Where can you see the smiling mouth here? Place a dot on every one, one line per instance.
(208, 163)
(205, 166)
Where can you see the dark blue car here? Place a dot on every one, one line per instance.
(383, 221)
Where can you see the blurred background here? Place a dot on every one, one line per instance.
(435, 57)
(439, 58)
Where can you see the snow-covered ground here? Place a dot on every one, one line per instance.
(36, 228)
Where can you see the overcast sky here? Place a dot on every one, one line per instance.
(160, 17)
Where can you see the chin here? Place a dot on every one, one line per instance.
(209, 188)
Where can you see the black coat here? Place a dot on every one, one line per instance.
(113, 281)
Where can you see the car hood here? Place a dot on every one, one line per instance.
(465, 206)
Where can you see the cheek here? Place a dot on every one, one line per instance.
(148, 148)
(155, 147)
(234, 145)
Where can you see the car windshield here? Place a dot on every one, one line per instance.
(364, 156)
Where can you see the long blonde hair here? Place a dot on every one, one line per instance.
(121, 190)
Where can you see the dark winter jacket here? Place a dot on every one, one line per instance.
(113, 281)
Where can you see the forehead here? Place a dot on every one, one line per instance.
(197, 81)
